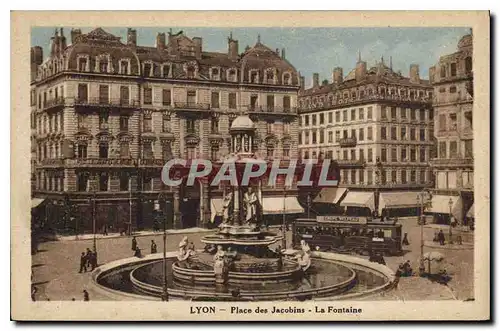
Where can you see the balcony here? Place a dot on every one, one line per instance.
(101, 162)
(350, 163)
(348, 142)
(270, 110)
(191, 106)
(52, 162)
(54, 104)
(106, 102)
(456, 162)
(151, 162)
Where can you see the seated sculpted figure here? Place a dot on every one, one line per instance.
(184, 251)
(304, 257)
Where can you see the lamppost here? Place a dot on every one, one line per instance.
(284, 217)
(450, 241)
(308, 205)
(420, 204)
(165, 287)
(94, 221)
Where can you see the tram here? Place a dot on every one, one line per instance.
(347, 234)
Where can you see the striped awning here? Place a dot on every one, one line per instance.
(403, 199)
(470, 213)
(330, 195)
(35, 202)
(281, 205)
(440, 204)
(359, 199)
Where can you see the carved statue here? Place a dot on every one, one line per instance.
(185, 252)
(226, 207)
(251, 203)
(304, 257)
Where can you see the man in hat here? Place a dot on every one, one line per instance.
(153, 247)
(83, 263)
(86, 295)
(134, 243)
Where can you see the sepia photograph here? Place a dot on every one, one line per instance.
(253, 171)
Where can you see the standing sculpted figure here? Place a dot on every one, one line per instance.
(251, 203)
(226, 207)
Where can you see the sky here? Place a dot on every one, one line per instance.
(311, 50)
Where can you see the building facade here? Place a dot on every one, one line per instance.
(106, 115)
(453, 166)
(378, 125)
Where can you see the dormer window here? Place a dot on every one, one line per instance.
(166, 70)
(254, 76)
(148, 67)
(82, 64)
(287, 80)
(190, 72)
(215, 74)
(231, 75)
(124, 67)
(270, 77)
(103, 67)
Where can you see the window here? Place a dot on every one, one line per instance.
(337, 136)
(344, 134)
(361, 114)
(232, 100)
(404, 157)
(413, 114)
(330, 137)
(286, 103)
(166, 150)
(103, 150)
(361, 136)
(103, 66)
(124, 95)
(394, 134)
(254, 77)
(383, 155)
(147, 183)
(191, 98)
(270, 76)
(344, 176)
(300, 138)
(403, 134)
(124, 67)
(330, 117)
(306, 137)
(214, 125)
(124, 179)
(321, 118)
(147, 69)
(383, 175)
(165, 124)
(148, 96)
(270, 151)
(166, 70)
(383, 112)
(394, 176)
(453, 149)
(422, 114)
(422, 154)
(369, 113)
(215, 100)
(82, 64)
(147, 125)
(82, 151)
(167, 97)
(442, 150)
(103, 94)
(214, 153)
(82, 93)
(404, 179)
(442, 122)
(468, 64)
(431, 114)
(313, 119)
(82, 180)
(306, 120)
(353, 133)
(232, 75)
(453, 69)
(453, 89)
(362, 155)
(123, 123)
(270, 127)
(370, 133)
(393, 113)
(314, 141)
(190, 125)
(443, 71)
(383, 133)
(103, 121)
(370, 177)
(370, 155)
(353, 176)
(337, 116)
(286, 128)
(412, 134)
(270, 102)
(147, 150)
(124, 149)
(353, 114)
(422, 134)
(394, 155)
(413, 155)
(286, 151)
(468, 149)
(254, 102)
(353, 154)
(344, 116)
(191, 152)
(422, 176)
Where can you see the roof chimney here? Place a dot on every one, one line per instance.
(160, 41)
(283, 54)
(302, 82)
(232, 48)
(197, 47)
(414, 74)
(338, 75)
(131, 37)
(315, 79)
(75, 33)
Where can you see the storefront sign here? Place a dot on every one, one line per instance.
(341, 219)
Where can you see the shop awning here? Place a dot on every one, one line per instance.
(276, 205)
(359, 199)
(215, 208)
(470, 213)
(330, 195)
(35, 202)
(392, 200)
(441, 205)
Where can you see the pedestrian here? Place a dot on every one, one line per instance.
(134, 243)
(83, 263)
(34, 289)
(88, 257)
(73, 299)
(105, 232)
(153, 247)
(441, 237)
(436, 237)
(137, 252)
(86, 295)
(398, 276)
(93, 261)
(405, 239)
(407, 270)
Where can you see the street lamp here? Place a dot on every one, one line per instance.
(450, 241)
(92, 199)
(308, 205)
(165, 288)
(284, 218)
(420, 203)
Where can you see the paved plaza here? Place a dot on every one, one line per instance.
(55, 267)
